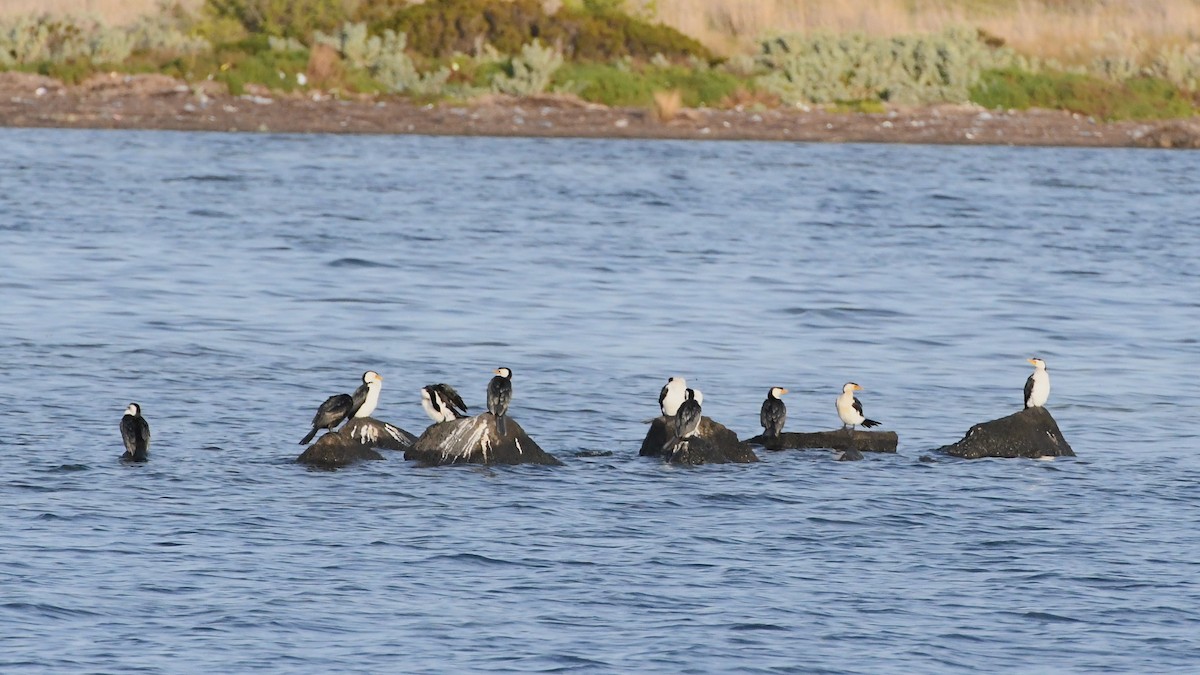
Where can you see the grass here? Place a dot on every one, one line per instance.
(1135, 99)
(635, 86)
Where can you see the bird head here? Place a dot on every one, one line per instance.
(776, 392)
(503, 372)
(371, 376)
(851, 386)
(133, 409)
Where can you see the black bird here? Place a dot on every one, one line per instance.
(340, 407)
(499, 394)
(687, 419)
(774, 413)
(136, 434)
(442, 403)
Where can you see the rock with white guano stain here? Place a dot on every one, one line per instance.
(356, 441)
(476, 440)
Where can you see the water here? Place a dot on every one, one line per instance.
(229, 283)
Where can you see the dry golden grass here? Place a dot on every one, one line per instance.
(1069, 30)
(667, 104)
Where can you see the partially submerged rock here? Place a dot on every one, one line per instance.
(712, 444)
(1031, 432)
(839, 439)
(354, 442)
(476, 440)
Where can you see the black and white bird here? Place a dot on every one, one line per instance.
(672, 396)
(442, 403)
(341, 407)
(687, 420)
(499, 394)
(774, 413)
(136, 434)
(1037, 387)
(850, 409)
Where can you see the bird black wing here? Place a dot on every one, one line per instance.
(662, 396)
(335, 409)
(687, 419)
(499, 395)
(135, 433)
(1028, 390)
(358, 399)
(858, 407)
(772, 416)
(452, 399)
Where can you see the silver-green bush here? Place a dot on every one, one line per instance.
(823, 68)
(384, 57)
(532, 71)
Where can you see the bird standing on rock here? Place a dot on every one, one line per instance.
(341, 407)
(673, 394)
(1037, 387)
(773, 413)
(499, 393)
(850, 410)
(442, 403)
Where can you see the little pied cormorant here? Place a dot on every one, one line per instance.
(850, 409)
(136, 434)
(1037, 387)
(442, 403)
(673, 394)
(341, 407)
(774, 413)
(499, 394)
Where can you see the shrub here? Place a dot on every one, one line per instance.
(620, 85)
(383, 56)
(281, 18)
(905, 69)
(1137, 98)
(440, 28)
(530, 73)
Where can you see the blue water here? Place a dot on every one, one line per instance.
(229, 283)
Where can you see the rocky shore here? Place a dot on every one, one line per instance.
(118, 101)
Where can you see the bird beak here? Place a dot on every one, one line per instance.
(857, 388)
(496, 371)
(379, 377)
(1031, 361)
(783, 391)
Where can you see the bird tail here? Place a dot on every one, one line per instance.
(867, 424)
(500, 425)
(309, 437)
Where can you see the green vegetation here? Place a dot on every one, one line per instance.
(458, 49)
(1134, 98)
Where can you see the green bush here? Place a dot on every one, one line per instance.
(615, 85)
(1136, 98)
(281, 18)
(440, 28)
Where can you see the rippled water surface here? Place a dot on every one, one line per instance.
(229, 283)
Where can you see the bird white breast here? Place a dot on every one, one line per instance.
(846, 411)
(1041, 389)
(368, 405)
(428, 406)
(676, 393)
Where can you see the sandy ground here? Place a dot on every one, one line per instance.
(159, 102)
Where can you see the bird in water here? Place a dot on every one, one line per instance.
(442, 403)
(850, 409)
(499, 393)
(1037, 387)
(340, 407)
(136, 434)
(774, 413)
(672, 396)
(687, 420)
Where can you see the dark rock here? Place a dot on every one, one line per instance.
(354, 442)
(839, 439)
(848, 455)
(594, 453)
(927, 459)
(712, 444)
(1177, 134)
(476, 440)
(1031, 432)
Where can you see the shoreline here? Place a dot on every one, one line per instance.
(158, 102)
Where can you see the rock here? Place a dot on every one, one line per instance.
(1176, 134)
(838, 439)
(848, 455)
(1031, 432)
(713, 444)
(354, 442)
(476, 440)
